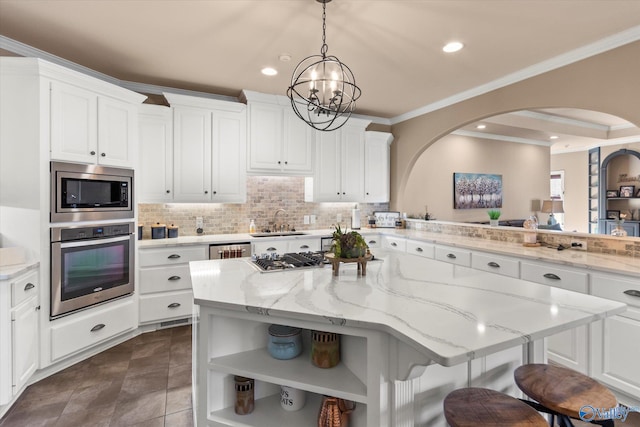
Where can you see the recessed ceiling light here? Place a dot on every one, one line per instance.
(452, 47)
(268, 71)
(481, 127)
(285, 57)
(553, 137)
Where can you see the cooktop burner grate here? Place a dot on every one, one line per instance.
(290, 261)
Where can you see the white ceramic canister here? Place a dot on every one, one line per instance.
(291, 399)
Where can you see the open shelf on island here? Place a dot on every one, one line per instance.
(269, 413)
(299, 372)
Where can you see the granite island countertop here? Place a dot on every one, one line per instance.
(451, 314)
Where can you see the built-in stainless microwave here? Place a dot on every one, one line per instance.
(90, 192)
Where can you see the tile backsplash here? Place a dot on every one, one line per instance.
(265, 195)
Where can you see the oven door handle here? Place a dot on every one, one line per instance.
(93, 242)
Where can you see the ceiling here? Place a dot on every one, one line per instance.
(394, 47)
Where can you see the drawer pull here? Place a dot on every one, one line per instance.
(271, 249)
(304, 247)
(372, 242)
(452, 256)
(174, 305)
(173, 256)
(632, 293)
(97, 327)
(174, 278)
(493, 264)
(394, 244)
(419, 250)
(551, 276)
(29, 286)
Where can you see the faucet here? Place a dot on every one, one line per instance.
(275, 224)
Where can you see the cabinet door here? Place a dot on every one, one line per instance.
(376, 169)
(192, 154)
(25, 342)
(632, 228)
(117, 131)
(74, 123)
(265, 138)
(228, 171)
(270, 247)
(326, 182)
(155, 172)
(298, 145)
(352, 168)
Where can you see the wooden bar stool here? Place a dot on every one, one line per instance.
(474, 407)
(563, 392)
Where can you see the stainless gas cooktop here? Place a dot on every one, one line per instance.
(291, 261)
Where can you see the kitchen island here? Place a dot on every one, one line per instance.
(411, 331)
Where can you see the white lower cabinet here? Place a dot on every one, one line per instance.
(373, 240)
(569, 348)
(456, 256)
(307, 244)
(425, 250)
(84, 329)
(394, 243)
(165, 282)
(615, 351)
(495, 264)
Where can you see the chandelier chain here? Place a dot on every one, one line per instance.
(324, 48)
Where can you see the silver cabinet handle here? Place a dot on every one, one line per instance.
(632, 293)
(97, 327)
(29, 286)
(452, 256)
(173, 256)
(174, 305)
(174, 278)
(419, 250)
(394, 244)
(304, 247)
(551, 276)
(271, 249)
(372, 242)
(493, 264)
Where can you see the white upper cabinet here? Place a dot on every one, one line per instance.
(209, 150)
(376, 167)
(339, 175)
(155, 159)
(90, 127)
(279, 142)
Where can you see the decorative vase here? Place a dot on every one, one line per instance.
(619, 231)
(494, 222)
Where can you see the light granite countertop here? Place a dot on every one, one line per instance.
(569, 257)
(9, 272)
(451, 315)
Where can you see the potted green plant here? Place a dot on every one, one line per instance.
(348, 244)
(494, 215)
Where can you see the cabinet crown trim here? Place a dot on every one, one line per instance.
(199, 102)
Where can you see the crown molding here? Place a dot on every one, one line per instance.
(608, 43)
(496, 137)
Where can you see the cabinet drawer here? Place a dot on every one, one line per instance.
(495, 264)
(24, 288)
(373, 241)
(163, 279)
(165, 306)
(173, 255)
(426, 250)
(304, 245)
(270, 246)
(617, 289)
(453, 256)
(394, 243)
(76, 332)
(554, 276)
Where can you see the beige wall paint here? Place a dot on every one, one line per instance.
(524, 169)
(607, 83)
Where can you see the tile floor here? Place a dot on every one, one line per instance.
(143, 382)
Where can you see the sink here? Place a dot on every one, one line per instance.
(278, 234)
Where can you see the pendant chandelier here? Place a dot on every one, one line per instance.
(323, 90)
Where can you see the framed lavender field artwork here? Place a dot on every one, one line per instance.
(477, 190)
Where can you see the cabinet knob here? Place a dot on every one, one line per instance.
(279, 162)
(551, 276)
(367, 193)
(174, 278)
(493, 264)
(174, 305)
(286, 163)
(344, 193)
(168, 191)
(93, 153)
(97, 327)
(215, 192)
(206, 191)
(29, 286)
(103, 155)
(338, 193)
(419, 250)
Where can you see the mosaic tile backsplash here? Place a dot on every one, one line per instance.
(265, 195)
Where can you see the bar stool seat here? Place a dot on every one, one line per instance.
(473, 407)
(562, 390)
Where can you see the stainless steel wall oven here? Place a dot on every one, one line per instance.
(90, 192)
(90, 265)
